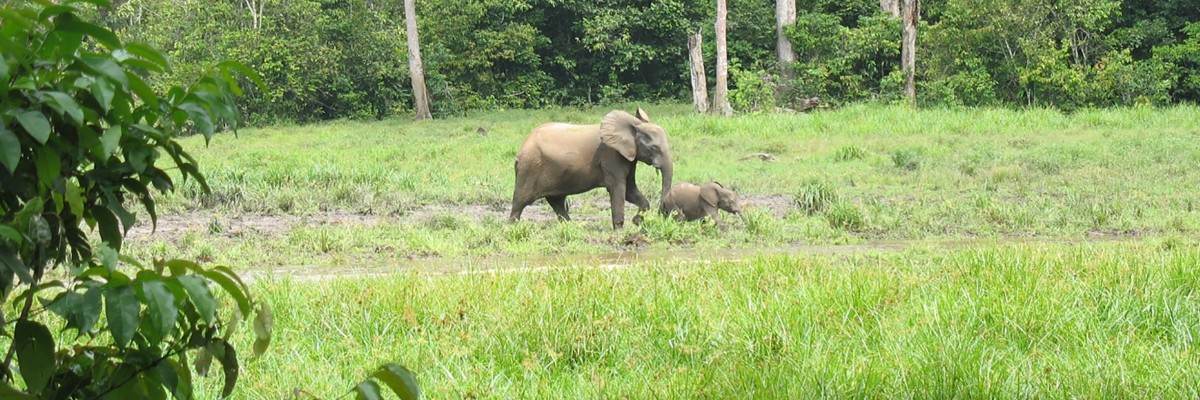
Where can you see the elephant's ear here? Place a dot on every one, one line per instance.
(616, 131)
(641, 114)
(709, 194)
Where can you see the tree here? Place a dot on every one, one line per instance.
(696, 62)
(420, 94)
(891, 7)
(785, 15)
(908, 49)
(82, 132)
(720, 104)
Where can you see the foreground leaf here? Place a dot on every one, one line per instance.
(35, 353)
(400, 380)
(122, 307)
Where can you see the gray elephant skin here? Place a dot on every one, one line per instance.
(691, 202)
(558, 160)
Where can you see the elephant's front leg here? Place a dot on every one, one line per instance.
(616, 196)
(635, 196)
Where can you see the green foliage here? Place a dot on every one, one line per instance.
(83, 135)
(753, 91)
(843, 215)
(850, 153)
(815, 197)
(908, 159)
(843, 64)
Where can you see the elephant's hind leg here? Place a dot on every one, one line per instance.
(518, 205)
(559, 204)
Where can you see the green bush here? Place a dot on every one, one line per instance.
(815, 196)
(846, 216)
(908, 159)
(850, 153)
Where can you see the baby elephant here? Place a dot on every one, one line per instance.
(690, 202)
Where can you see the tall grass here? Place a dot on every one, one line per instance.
(1032, 321)
(896, 173)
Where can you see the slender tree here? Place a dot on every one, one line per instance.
(908, 49)
(720, 104)
(891, 7)
(785, 14)
(420, 94)
(699, 81)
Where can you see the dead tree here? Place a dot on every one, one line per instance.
(908, 49)
(720, 104)
(699, 81)
(785, 14)
(416, 71)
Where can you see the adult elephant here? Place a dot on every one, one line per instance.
(558, 160)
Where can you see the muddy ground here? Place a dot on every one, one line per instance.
(172, 227)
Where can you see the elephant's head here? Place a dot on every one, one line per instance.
(636, 138)
(717, 195)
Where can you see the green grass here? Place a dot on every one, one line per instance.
(1114, 320)
(943, 318)
(893, 173)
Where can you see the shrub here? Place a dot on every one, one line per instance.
(815, 197)
(908, 159)
(843, 215)
(850, 153)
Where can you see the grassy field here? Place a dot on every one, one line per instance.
(962, 308)
(393, 190)
(1113, 320)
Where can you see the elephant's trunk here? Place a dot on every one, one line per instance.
(666, 169)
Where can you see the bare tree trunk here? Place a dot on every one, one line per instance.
(785, 14)
(891, 7)
(720, 104)
(908, 49)
(699, 82)
(420, 94)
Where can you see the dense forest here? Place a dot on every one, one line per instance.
(328, 59)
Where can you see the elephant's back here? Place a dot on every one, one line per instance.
(557, 140)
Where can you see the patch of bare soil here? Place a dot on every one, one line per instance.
(591, 209)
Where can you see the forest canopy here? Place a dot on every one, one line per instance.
(329, 59)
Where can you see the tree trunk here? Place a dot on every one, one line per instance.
(420, 94)
(908, 49)
(699, 81)
(785, 14)
(891, 7)
(720, 104)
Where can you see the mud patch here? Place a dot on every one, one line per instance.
(590, 208)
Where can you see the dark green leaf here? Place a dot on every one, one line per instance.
(175, 378)
(367, 390)
(110, 229)
(263, 322)
(244, 70)
(36, 125)
(110, 140)
(227, 356)
(101, 34)
(35, 354)
(13, 263)
(10, 149)
(202, 298)
(49, 166)
(123, 310)
(11, 393)
(66, 105)
(142, 90)
(103, 90)
(400, 380)
(81, 311)
(149, 53)
(10, 233)
(106, 67)
(160, 307)
(234, 290)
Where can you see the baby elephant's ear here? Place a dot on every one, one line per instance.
(641, 114)
(709, 195)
